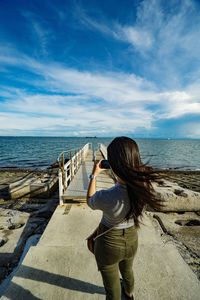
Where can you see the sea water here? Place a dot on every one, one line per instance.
(41, 152)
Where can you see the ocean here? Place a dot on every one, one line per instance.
(41, 152)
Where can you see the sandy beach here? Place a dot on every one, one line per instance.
(24, 217)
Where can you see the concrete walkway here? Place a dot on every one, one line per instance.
(61, 267)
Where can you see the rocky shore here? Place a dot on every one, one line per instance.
(23, 217)
(185, 179)
(182, 226)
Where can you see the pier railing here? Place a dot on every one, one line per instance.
(69, 165)
(103, 150)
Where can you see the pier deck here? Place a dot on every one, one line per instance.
(77, 189)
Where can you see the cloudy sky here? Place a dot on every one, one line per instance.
(106, 68)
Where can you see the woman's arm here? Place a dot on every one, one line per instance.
(92, 184)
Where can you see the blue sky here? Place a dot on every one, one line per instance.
(106, 68)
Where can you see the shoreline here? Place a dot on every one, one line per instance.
(47, 168)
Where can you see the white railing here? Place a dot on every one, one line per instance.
(68, 170)
(103, 150)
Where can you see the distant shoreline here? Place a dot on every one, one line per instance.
(102, 137)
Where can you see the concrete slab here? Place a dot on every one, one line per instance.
(61, 267)
(57, 273)
(34, 185)
(70, 225)
(160, 271)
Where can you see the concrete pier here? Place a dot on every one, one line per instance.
(61, 267)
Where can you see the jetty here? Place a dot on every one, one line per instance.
(60, 265)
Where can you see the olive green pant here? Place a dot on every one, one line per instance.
(114, 252)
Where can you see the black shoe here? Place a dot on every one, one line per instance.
(123, 291)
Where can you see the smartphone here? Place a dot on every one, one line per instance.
(104, 164)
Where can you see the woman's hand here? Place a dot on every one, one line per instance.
(96, 169)
(92, 184)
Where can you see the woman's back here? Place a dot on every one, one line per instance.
(115, 204)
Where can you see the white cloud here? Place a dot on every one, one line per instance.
(134, 35)
(173, 58)
(42, 36)
(40, 32)
(164, 35)
(113, 86)
(137, 37)
(113, 101)
(49, 111)
(176, 104)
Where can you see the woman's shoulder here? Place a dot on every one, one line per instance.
(118, 186)
(117, 189)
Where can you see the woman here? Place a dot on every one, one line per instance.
(122, 207)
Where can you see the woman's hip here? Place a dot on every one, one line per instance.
(118, 237)
(115, 246)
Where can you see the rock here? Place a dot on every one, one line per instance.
(13, 233)
(3, 240)
(40, 229)
(180, 193)
(36, 220)
(176, 198)
(43, 213)
(15, 226)
(12, 219)
(3, 273)
(29, 207)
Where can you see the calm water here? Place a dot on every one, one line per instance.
(40, 152)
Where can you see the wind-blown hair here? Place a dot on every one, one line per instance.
(125, 161)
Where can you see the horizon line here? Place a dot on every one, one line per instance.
(98, 137)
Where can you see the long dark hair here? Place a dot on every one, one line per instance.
(125, 161)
